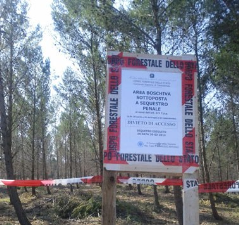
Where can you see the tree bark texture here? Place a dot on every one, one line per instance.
(202, 141)
(178, 203)
(156, 199)
(7, 145)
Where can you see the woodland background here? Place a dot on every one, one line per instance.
(47, 136)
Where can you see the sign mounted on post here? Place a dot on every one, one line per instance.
(151, 113)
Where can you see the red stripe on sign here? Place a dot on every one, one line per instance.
(113, 138)
(169, 160)
(189, 149)
(111, 154)
(185, 161)
(188, 81)
(133, 62)
(189, 142)
(113, 158)
(188, 68)
(114, 77)
(115, 65)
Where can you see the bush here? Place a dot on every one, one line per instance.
(65, 205)
(92, 207)
(73, 207)
(128, 210)
(227, 199)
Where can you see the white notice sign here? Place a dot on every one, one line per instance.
(152, 113)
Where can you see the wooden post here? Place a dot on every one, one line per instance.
(190, 200)
(109, 197)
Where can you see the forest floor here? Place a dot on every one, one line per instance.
(84, 204)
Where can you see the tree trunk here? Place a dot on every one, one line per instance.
(167, 190)
(130, 185)
(219, 163)
(202, 141)
(98, 113)
(234, 130)
(158, 48)
(178, 203)
(139, 187)
(213, 207)
(70, 144)
(7, 145)
(14, 198)
(44, 165)
(23, 157)
(33, 142)
(66, 158)
(156, 199)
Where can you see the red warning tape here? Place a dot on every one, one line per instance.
(224, 187)
(90, 180)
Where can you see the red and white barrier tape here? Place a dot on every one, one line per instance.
(224, 187)
(90, 180)
(55, 182)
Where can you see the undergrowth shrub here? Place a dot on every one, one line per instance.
(77, 207)
(65, 205)
(90, 207)
(227, 199)
(129, 210)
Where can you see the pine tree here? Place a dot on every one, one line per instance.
(12, 36)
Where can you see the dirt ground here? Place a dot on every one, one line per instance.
(134, 209)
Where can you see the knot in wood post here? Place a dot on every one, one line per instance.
(112, 179)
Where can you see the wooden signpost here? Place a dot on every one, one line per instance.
(151, 117)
